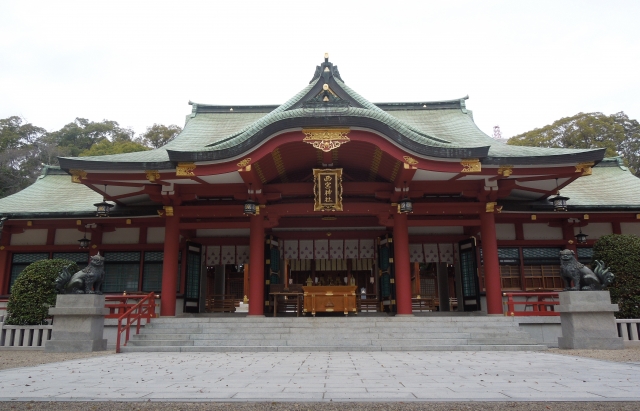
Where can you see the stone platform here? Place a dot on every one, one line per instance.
(335, 333)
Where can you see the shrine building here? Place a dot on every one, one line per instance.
(411, 203)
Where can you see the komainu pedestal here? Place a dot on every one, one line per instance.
(78, 323)
(587, 321)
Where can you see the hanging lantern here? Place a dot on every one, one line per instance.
(103, 208)
(84, 242)
(250, 207)
(581, 238)
(559, 202)
(405, 206)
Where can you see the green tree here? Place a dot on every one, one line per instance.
(80, 135)
(104, 147)
(21, 152)
(621, 253)
(34, 292)
(617, 133)
(158, 135)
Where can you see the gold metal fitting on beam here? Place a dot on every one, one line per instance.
(410, 160)
(505, 171)
(471, 165)
(244, 162)
(185, 169)
(585, 168)
(152, 175)
(77, 175)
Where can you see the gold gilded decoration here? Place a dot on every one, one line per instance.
(490, 207)
(77, 175)
(326, 139)
(410, 160)
(152, 175)
(584, 168)
(327, 189)
(185, 169)
(277, 160)
(375, 164)
(533, 217)
(505, 171)
(168, 211)
(471, 165)
(244, 162)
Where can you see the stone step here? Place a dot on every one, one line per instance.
(331, 320)
(332, 331)
(311, 349)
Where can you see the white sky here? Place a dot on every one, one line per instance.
(523, 64)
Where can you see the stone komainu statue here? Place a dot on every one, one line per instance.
(581, 276)
(86, 281)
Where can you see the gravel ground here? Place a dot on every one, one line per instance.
(626, 355)
(355, 406)
(15, 359)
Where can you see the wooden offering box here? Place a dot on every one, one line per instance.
(327, 299)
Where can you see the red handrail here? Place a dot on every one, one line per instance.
(145, 309)
(542, 305)
(119, 304)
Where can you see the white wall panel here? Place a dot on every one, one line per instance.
(155, 235)
(595, 230)
(31, 237)
(67, 236)
(435, 230)
(630, 228)
(541, 232)
(122, 236)
(506, 231)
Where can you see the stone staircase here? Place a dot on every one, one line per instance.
(362, 333)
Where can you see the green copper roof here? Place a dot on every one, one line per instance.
(52, 192)
(611, 184)
(432, 129)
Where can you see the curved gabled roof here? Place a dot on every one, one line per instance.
(442, 129)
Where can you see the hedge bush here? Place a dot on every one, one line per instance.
(621, 253)
(34, 292)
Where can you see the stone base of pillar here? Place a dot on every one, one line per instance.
(587, 321)
(78, 324)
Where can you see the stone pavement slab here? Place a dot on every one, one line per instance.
(325, 376)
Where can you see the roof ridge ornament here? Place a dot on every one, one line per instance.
(326, 70)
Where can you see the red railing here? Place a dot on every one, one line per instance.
(120, 304)
(144, 309)
(541, 304)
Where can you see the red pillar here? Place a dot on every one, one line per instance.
(256, 266)
(491, 264)
(5, 267)
(4, 272)
(568, 236)
(402, 265)
(170, 266)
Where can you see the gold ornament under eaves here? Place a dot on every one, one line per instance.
(326, 139)
(471, 165)
(77, 175)
(185, 169)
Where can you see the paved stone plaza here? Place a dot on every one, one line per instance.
(303, 377)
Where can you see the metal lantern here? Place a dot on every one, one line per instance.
(84, 242)
(405, 206)
(559, 202)
(581, 238)
(250, 207)
(103, 208)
